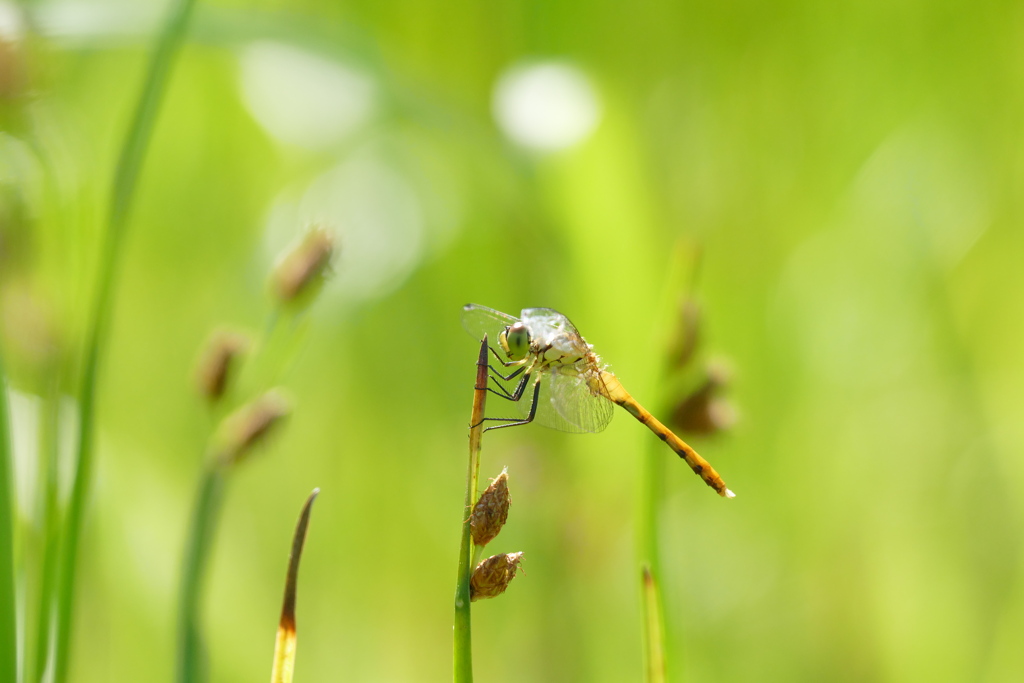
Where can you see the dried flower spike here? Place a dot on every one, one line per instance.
(26, 319)
(14, 74)
(704, 411)
(491, 511)
(216, 366)
(250, 424)
(492, 576)
(300, 273)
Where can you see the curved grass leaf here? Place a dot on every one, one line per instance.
(122, 193)
(284, 647)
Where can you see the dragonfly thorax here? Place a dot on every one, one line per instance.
(518, 344)
(551, 355)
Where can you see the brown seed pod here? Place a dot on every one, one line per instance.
(300, 273)
(491, 511)
(704, 411)
(215, 369)
(249, 425)
(492, 576)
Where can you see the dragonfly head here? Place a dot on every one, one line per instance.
(515, 341)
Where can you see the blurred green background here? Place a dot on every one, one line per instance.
(851, 175)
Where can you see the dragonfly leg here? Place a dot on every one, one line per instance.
(511, 395)
(501, 391)
(495, 375)
(515, 422)
(506, 378)
(506, 363)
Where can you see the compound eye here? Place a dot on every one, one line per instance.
(516, 340)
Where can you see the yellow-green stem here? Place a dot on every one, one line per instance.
(654, 627)
(650, 563)
(658, 663)
(463, 650)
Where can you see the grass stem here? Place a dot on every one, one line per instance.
(191, 658)
(8, 616)
(49, 523)
(681, 339)
(122, 193)
(650, 563)
(463, 654)
(654, 628)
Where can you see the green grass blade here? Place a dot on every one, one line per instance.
(680, 339)
(190, 666)
(8, 626)
(652, 603)
(654, 629)
(125, 180)
(35, 665)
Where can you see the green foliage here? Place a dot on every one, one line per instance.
(851, 177)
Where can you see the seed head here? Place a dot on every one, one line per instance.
(300, 274)
(216, 366)
(27, 321)
(14, 72)
(492, 576)
(704, 411)
(491, 511)
(250, 425)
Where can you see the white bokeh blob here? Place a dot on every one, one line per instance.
(545, 106)
(302, 99)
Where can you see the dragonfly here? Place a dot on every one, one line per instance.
(560, 382)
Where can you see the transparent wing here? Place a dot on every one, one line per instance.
(480, 320)
(547, 410)
(566, 404)
(548, 326)
(576, 404)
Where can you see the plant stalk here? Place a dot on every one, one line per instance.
(122, 193)
(658, 663)
(463, 654)
(8, 615)
(191, 658)
(650, 563)
(49, 512)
